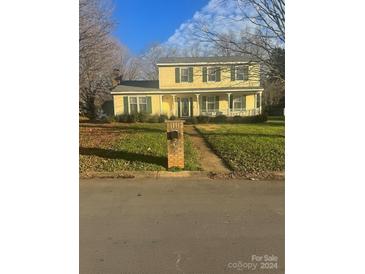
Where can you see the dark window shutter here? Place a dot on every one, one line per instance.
(233, 75)
(217, 102)
(204, 103)
(231, 101)
(244, 101)
(149, 104)
(217, 74)
(191, 106)
(177, 75)
(245, 73)
(191, 74)
(125, 101)
(204, 74)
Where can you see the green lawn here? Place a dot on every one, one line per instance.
(248, 148)
(127, 147)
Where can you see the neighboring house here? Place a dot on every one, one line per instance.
(194, 86)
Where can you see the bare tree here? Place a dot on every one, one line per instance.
(96, 53)
(150, 58)
(263, 31)
(127, 65)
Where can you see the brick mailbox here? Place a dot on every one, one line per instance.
(175, 143)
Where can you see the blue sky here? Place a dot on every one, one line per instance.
(142, 22)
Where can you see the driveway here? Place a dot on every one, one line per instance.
(181, 226)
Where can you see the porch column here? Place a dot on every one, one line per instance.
(229, 103)
(173, 105)
(198, 103)
(160, 104)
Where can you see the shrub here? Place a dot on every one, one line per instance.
(154, 119)
(172, 117)
(112, 119)
(142, 117)
(162, 118)
(203, 119)
(122, 118)
(220, 119)
(132, 118)
(248, 119)
(236, 119)
(191, 120)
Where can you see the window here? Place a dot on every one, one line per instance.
(184, 75)
(237, 102)
(240, 72)
(211, 103)
(142, 103)
(137, 104)
(212, 74)
(133, 107)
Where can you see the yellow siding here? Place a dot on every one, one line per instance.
(167, 78)
(250, 102)
(118, 104)
(155, 99)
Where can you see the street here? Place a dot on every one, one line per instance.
(181, 226)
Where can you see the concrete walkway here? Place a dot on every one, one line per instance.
(208, 159)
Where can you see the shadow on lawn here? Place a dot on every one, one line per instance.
(123, 155)
(123, 127)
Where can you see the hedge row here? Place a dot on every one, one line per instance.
(147, 118)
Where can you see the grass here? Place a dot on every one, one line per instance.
(248, 148)
(128, 147)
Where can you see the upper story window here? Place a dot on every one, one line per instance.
(184, 75)
(239, 73)
(211, 74)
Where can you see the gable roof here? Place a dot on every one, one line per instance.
(203, 60)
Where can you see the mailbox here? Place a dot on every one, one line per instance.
(175, 143)
(174, 134)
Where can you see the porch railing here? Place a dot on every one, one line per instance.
(232, 112)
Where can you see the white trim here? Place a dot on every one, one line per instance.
(206, 63)
(167, 92)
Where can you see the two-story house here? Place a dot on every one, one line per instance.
(193, 86)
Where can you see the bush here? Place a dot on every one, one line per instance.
(132, 118)
(142, 117)
(220, 119)
(154, 118)
(162, 118)
(172, 117)
(203, 119)
(191, 120)
(248, 119)
(112, 119)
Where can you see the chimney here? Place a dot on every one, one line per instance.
(115, 77)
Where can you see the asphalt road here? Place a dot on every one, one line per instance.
(181, 226)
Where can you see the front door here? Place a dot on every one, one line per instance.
(185, 107)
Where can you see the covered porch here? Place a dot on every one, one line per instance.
(211, 104)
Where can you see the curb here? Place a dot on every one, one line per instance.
(147, 174)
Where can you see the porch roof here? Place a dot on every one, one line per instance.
(152, 87)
